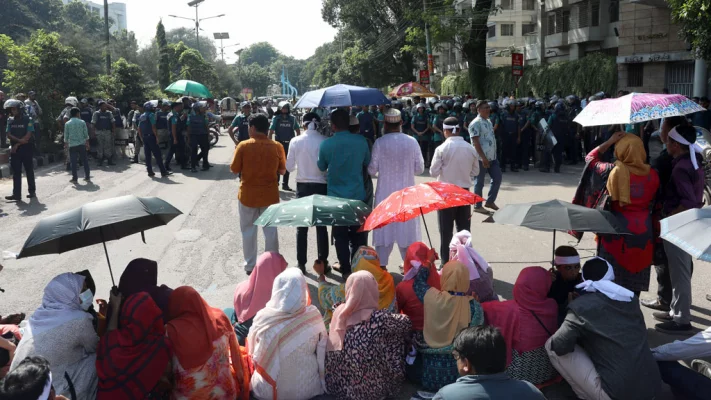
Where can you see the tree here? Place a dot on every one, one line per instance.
(187, 36)
(146, 59)
(129, 77)
(227, 80)
(261, 53)
(164, 62)
(194, 67)
(326, 73)
(124, 45)
(82, 29)
(694, 17)
(19, 18)
(255, 77)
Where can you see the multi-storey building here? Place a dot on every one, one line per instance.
(117, 12)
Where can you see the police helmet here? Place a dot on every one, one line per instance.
(441, 105)
(14, 103)
(84, 101)
(420, 105)
(494, 105)
(559, 107)
(539, 103)
(72, 101)
(432, 100)
(457, 106)
(507, 103)
(285, 104)
(148, 106)
(245, 104)
(396, 104)
(572, 99)
(449, 103)
(600, 95)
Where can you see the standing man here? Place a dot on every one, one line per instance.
(343, 157)
(395, 161)
(35, 112)
(454, 162)
(241, 122)
(286, 128)
(310, 180)
(558, 124)
(164, 135)
(512, 134)
(103, 123)
(76, 140)
(19, 130)
(258, 160)
(3, 123)
(177, 124)
(367, 124)
(684, 191)
(198, 134)
(147, 132)
(481, 132)
(138, 145)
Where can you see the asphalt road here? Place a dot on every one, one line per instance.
(202, 248)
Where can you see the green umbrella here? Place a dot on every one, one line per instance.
(316, 210)
(189, 88)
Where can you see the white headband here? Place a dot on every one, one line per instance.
(47, 388)
(312, 125)
(693, 147)
(452, 128)
(606, 285)
(413, 271)
(570, 260)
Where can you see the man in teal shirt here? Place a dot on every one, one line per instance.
(343, 157)
(76, 139)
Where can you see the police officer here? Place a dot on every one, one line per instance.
(198, 134)
(148, 134)
(241, 122)
(85, 111)
(19, 128)
(162, 121)
(3, 123)
(138, 145)
(559, 126)
(286, 127)
(511, 135)
(495, 119)
(103, 124)
(529, 119)
(572, 150)
(177, 125)
(366, 121)
(421, 131)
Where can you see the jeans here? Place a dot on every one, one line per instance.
(685, 382)
(680, 266)
(495, 174)
(348, 240)
(203, 141)
(78, 152)
(247, 216)
(22, 158)
(302, 233)
(285, 179)
(447, 219)
(150, 146)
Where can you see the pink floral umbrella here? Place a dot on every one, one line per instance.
(634, 108)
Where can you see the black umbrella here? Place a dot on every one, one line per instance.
(97, 222)
(557, 215)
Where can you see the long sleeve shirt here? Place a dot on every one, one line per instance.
(455, 162)
(697, 346)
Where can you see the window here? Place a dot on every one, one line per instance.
(635, 75)
(528, 28)
(565, 18)
(614, 10)
(492, 31)
(507, 29)
(529, 5)
(582, 11)
(595, 13)
(507, 4)
(680, 78)
(551, 24)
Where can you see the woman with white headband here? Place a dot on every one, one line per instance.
(601, 349)
(684, 191)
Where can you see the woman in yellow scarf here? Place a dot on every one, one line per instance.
(365, 259)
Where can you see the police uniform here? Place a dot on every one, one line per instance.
(437, 138)
(199, 138)
(138, 144)
(365, 121)
(146, 122)
(510, 126)
(558, 123)
(18, 127)
(103, 122)
(284, 127)
(420, 122)
(178, 149)
(162, 126)
(241, 122)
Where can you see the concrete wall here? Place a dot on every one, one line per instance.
(645, 29)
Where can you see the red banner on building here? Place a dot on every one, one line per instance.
(424, 77)
(517, 64)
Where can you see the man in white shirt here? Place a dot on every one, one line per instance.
(302, 157)
(455, 162)
(395, 160)
(687, 383)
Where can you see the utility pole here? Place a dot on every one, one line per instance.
(430, 60)
(196, 3)
(108, 37)
(222, 36)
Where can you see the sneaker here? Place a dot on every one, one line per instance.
(673, 328)
(286, 188)
(248, 269)
(13, 198)
(491, 206)
(655, 304)
(662, 316)
(481, 210)
(87, 179)
(702, 367)
(166, 174)
(151, 174)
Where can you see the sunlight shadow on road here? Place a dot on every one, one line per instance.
(34, 207)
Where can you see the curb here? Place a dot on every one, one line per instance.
(39, 161)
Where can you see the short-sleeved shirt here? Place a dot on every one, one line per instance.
(75, 132)
(102, 120)
(18, 127)
(343, 156)
(484, 130)
(258, 160)
(284, 127)
(242, 124)
(64, 114)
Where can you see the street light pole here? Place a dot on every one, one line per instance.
(197, 28)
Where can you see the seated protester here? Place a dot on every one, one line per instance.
(252, 295)
(565, 277)
(207, 360)
(686, 383)
(365, 351)
(30, 379)
(601, 349)
(62, 331)
(481, 276)
(133, 359)
(447, 312)
(365, 259)
(141, 275)
(287, 343)
(480, 352)
(526, 323)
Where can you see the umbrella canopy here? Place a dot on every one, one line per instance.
(634, 108)
(189, 88)
(315, 210)
(97, 222)
(690, 231)
(411, 89)
(342, 96)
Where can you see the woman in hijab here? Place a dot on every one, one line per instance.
(252, 295)
(287, 343)
(447, 312)
(481, 276)
(133, 360)
(62, 331)
(141, 275)
(207, 361)
(526, 322)
(365, 259)
(365, 350)
(632, 187)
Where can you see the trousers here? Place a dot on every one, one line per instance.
(105, 148)
(304, 189)
(77, 153)
(384, 253)
(447, 219)
(177, 150)
(664, 287)
(19, 159)
(510, 147)
(247, 216)
(680, 268)
(577, 368)
(494, 172)
(524, 149)
(150, 146)
(348, 240)
(685, 382)
(202, 141)
(285, 178)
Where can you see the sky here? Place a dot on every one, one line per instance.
(295, 28)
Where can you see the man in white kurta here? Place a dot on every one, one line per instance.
(396, 159)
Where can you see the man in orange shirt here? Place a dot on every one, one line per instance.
(259, 160)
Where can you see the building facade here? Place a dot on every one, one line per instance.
(508, 29)
(117, 12)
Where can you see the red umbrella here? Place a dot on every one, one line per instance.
(421, 199)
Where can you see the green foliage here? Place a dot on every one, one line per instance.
(227, 80)
(19, 18)
(164, 61)
(255, 77)
(124, 45)
(326, 73)
(261, 53)
(455, 84)
(186, 35)
(694, 17)
(194, 67)
(128, 76)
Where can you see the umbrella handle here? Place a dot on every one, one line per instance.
(426, 230)
(101, 232)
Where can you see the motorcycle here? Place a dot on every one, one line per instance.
(214, 132)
